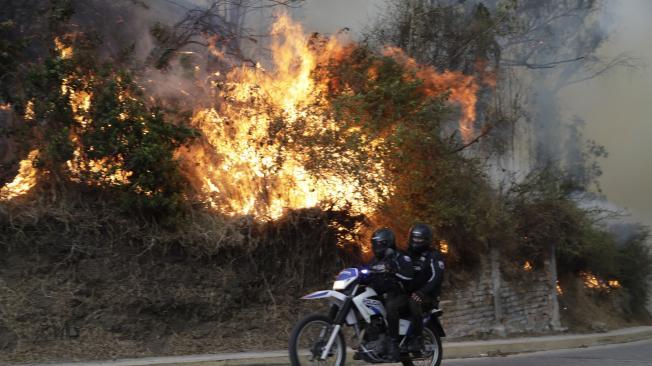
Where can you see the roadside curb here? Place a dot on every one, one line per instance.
(545, 343)
(452, 350)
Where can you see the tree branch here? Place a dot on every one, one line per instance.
(547, 65)
(485, 131)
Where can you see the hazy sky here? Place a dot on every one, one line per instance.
(329, 16)
(618, 109)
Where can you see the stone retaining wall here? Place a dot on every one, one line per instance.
(494, 305)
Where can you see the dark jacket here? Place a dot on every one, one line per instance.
(428, 273)
(399, 272)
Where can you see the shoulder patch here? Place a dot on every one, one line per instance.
(407, 258)
(441, 264)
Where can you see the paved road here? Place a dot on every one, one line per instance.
(629, 354)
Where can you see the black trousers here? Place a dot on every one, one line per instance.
(416, 310)
(395, 301)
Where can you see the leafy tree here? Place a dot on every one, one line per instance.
(635, 269)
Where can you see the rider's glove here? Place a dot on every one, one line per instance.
(379, 267)
(417, 297)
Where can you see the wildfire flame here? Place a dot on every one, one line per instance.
(244, 170)
(245, 163)
(64, 50)
(80, 103)
(594, 282)
(463, 88)
(443, 246)
(527, 266)
(24, 180)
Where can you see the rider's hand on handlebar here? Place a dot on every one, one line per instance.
(379, 268)
(417, 297)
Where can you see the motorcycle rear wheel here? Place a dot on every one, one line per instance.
(432, 343)
(308, 339)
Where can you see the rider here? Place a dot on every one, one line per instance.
(400, 272)
(429, 271)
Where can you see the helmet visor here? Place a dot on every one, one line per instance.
(379, 247)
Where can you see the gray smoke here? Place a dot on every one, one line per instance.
(616, 107)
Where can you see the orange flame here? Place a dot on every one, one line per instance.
(592, 281)
(463, 88)
(245, 164)
(24, 180)
(244, 170)
(64, 51)
(80, 103)
(443, 246)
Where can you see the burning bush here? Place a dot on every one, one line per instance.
(101, 132)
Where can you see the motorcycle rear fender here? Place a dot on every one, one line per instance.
(436, 326)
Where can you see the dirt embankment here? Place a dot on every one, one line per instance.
(70, 295)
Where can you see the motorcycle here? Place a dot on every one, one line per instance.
(319, 339)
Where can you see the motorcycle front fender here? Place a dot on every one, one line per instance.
(326, 294)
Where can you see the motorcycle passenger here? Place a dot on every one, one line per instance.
(428, 275)
(399, 273)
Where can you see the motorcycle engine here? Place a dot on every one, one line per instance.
(375, 328)
(374, 340)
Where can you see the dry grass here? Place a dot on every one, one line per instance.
(80, 280)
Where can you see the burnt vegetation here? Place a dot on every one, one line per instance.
(137, 263)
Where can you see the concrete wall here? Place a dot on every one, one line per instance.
(494, 305)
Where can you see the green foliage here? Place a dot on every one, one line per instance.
(635, 270)
(127, 135)
(547, 216)
(115, 141)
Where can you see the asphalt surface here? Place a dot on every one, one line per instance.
(629, 354)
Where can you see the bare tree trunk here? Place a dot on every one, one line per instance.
(555, 322)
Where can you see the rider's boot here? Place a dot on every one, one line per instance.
(416, 344)
(393, 353)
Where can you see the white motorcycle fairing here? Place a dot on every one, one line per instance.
(325, 294)
(369, 307)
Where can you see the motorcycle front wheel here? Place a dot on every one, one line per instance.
(432, 353)
(308, 339)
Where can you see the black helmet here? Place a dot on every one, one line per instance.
(381, 240)
(419, 238)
